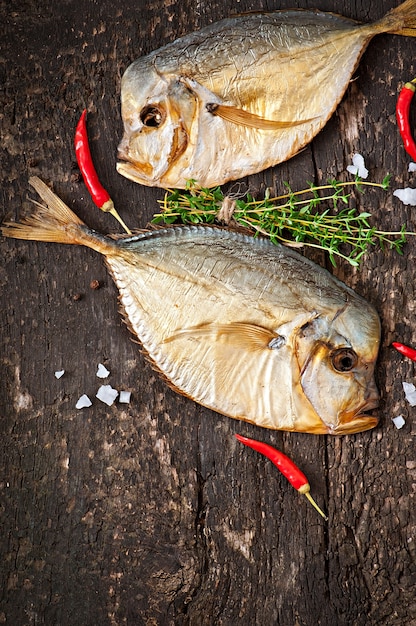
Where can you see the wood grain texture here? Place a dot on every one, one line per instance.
(150, 513)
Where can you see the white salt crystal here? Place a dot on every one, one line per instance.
(410, 393)
(398, 421)
(83, 402)
(412, 167)
(408, 387)
(125, 396)
(358, 166)
(59, 373)
(406, 195)
(102, 371)
(107, 394)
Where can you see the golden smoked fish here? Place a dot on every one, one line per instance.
(247, 328)
(240, 95)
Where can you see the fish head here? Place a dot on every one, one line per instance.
(158, 112)
(336, 361)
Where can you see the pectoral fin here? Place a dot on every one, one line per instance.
(240, 334)
(251, 120)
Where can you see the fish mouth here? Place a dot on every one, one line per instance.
(360, 421)
(359, 424)
(137, 172)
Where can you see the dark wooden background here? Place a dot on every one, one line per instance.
(149, 513)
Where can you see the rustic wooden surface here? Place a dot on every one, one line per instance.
(149, 513)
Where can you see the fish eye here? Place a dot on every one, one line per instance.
(152, 116)
(344, 359)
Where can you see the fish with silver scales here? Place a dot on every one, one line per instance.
(250, 329)
(240, 95)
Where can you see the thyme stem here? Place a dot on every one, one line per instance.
(292, 218)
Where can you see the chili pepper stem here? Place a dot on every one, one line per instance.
(305, 491)
(108, 207)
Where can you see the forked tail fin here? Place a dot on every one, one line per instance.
(401, 20)
(55, 222)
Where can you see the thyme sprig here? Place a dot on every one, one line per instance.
(292, 218)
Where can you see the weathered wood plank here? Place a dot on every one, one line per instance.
(150, 513)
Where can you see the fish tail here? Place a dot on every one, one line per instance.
(401, 20)
(55, 222)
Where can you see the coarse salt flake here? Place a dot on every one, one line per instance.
(102, 371)
(358, 167)
(83, 402)
(406, 195)
(59, 373)
(410, 393)
(107, 394)
(125, 397)
(398, 421)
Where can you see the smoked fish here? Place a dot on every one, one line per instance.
(240, 95)
(250, 329)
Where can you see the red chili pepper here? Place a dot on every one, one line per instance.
(99, 195)
(402, 115)
(405, 350)
(288, 468)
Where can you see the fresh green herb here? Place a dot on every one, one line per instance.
(291, 218)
